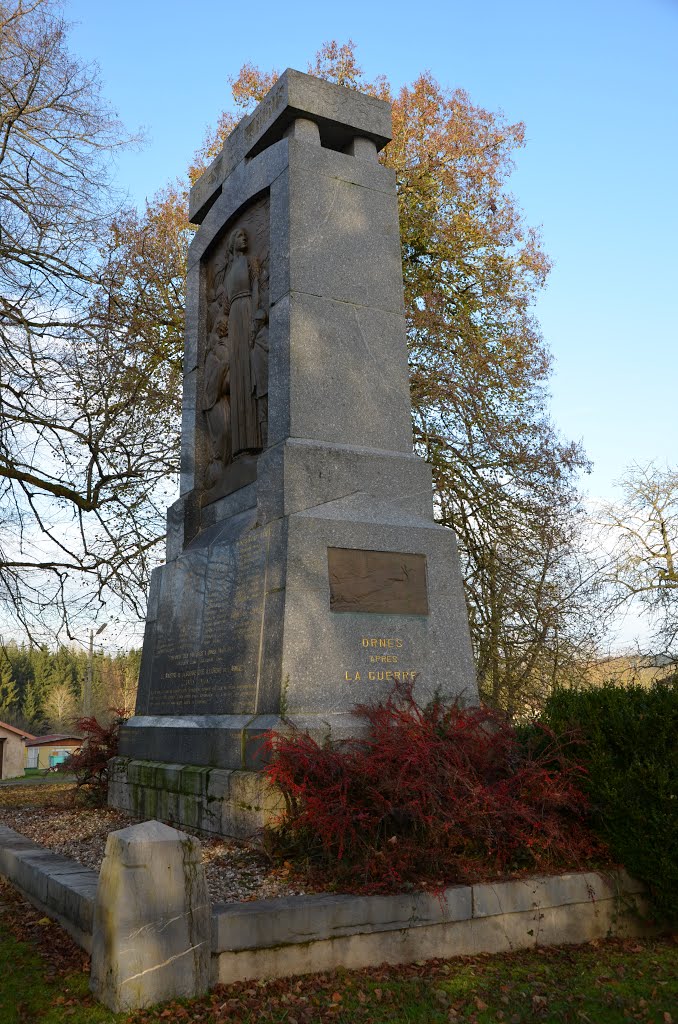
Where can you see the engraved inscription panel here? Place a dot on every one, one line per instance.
(377, 581)
(206, 659)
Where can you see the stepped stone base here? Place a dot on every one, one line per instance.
(233, 742)
(218, 800)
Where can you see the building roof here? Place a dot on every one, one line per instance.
(19, 732)
(41, 741)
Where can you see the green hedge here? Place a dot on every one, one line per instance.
(630, 749)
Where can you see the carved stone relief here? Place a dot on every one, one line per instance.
(234, 394)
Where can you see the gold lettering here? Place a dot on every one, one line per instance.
(398, 643)
(370, 675)
(409, 676)
(365, 641)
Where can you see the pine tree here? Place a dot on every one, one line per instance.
(9, 695)
(31, 710)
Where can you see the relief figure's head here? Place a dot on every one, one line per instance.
(237, 242)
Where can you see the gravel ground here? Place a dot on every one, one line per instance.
(235, 871)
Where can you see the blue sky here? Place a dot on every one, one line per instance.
(594, 82)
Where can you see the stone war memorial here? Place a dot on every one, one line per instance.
(305, 572)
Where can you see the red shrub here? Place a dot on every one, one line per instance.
(90, 762)
(438, 795)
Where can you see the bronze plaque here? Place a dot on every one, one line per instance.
(377, 581)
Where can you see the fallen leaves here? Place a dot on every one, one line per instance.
(637, 981)
(46, 814)
(26, 924)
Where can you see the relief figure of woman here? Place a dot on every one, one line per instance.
(245, 434)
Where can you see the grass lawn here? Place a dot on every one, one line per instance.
(44, 979)
(28, 994)
(37, 777)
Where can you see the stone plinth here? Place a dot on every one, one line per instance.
(216, 800)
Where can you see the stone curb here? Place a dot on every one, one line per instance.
(298, 919)
(303, 934)
(60, 887)
(292, 920)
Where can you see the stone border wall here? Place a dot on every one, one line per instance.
(62, 888)
(303, 934)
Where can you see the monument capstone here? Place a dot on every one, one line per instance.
(304, 572)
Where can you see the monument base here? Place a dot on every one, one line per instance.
(231, 742)
(301, 617)
(218, 785)
(226, 803)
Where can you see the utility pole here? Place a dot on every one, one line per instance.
(87, 696)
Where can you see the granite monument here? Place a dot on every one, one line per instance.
(305, 572)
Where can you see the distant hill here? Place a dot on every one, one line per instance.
(631, 669)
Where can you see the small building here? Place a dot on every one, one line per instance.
(50, 751)
(12, 750)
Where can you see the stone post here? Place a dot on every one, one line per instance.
(151, 937)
